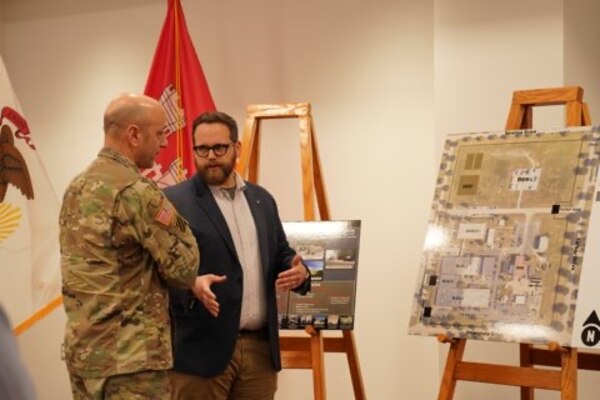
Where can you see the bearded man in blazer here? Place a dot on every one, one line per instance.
(226, 335)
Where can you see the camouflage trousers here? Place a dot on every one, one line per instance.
(146, 385)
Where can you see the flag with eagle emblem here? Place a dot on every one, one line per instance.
(29, 270)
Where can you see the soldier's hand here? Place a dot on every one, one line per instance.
(203, 292)
(293, 277)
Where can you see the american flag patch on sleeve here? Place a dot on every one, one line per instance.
(165, 214)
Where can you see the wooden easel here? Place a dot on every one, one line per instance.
(301, 352)
(526, 376)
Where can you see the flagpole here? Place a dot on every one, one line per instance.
(179, 134)
(39, 315)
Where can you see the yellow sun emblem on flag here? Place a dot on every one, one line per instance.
(9, 219)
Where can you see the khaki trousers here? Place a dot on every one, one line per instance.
(249, 376)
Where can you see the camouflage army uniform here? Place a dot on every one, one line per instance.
(121, 240)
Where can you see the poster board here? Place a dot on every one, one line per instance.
(330, 251)
(506, 245)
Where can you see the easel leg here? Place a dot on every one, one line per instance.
(248, 152)
(568, 378)
(308, 183)
(355, 375)
(255, 154)
(318, 362)
(527, 393)
(455, 355)
(319, 181)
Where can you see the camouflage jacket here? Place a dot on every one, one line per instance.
(121, 240)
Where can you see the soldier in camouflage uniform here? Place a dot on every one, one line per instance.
(121, 242)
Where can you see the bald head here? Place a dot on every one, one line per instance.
(134, 125)
(127, 109)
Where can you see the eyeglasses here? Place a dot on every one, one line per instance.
(219, 149)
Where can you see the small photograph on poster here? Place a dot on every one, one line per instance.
(306, 320)
(340, 258)
(293, 322)
(316, 269)
(346, 322)
(320, 321)
(283, 321)
(309, 251)
(333, 321)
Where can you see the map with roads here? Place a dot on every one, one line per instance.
(506, 236)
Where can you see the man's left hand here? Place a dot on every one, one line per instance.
(293, 277)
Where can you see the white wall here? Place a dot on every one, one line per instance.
(485, 50)
(366, 67)
(582, 52)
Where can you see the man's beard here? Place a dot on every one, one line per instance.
(216, 173)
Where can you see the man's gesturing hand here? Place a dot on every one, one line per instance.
(202, 291)
(293, 277)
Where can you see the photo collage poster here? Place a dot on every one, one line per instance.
(329, 249)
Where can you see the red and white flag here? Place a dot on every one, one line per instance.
(176, 79)
(29, 253)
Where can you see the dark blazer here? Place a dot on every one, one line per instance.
(203, 345)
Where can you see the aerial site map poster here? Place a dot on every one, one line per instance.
(330, 251)
(511, 252)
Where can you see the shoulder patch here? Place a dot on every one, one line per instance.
(165, 213)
